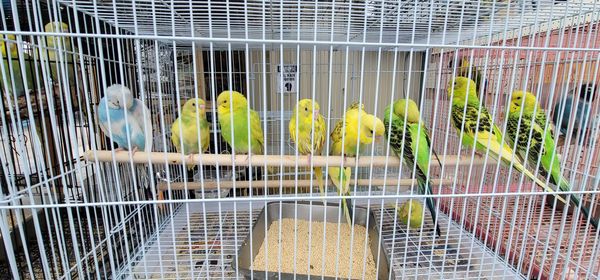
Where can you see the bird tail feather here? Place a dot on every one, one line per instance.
(431, 206)
(508, 156)
(564, 185)
(319, 175)
(342, 181)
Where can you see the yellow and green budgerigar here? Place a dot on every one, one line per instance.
(525, 125)
(59, 46)
(190, 132)
(410, 213)
(465, 69)
(308, 132)
(10, 58)
(240, 125)
(408, 138)
(478, 129)
(347, 141)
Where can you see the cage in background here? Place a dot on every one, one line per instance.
(74, 207)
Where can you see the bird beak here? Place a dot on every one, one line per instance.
(201, 106)
(315, 114)
(379, 138)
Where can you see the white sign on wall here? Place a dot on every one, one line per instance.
(288, 81)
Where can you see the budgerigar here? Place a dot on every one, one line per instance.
(190, 132)
(410, 213)
(10, 52)
(57, 45)
(575, 111)
(479, 130)
(240, 125)
(408, 137)
(521, 121)
(304, 121)
(133, 134)
(129, 122)
(345, 141)
(465, 69)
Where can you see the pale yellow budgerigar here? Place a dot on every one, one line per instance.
(190, 132)
(308, 131)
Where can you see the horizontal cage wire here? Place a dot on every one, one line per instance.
(253, 139)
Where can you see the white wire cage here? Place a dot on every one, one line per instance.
(72, 207)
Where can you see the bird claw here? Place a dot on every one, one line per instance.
(190, 158)
(160, 196)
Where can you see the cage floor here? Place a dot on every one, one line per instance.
(528, 235)
(185, 248)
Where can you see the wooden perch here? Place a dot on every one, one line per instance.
(271, 160)
(212, 185)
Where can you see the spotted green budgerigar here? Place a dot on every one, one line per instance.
(308, 132)
(190, 132)
(408, 137)
(478, 129)
(526, 118)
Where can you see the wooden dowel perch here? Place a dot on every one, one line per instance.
(270, 160)
(211, 185)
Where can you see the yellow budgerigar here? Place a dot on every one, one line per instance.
(308, 131)
(190, 132)
(346, 141)
(240, 125)
(478, 129)
(410, 213)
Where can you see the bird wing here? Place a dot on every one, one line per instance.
(102, 116)
(175, 132)
(256, 132)
(319, 135)
(141, 114)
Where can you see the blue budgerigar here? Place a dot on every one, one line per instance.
(127, 119)
(566, 109)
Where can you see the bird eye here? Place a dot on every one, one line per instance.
(194, 104)
(306, 109)
(518, 97)
(371, 131)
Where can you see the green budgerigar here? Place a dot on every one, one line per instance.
(521, 123)
(410, 213)
(56, 45)
(233, 118)
(240, 127)
(190, 132)
(408, 137)
(476, 129)
(10, 53)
